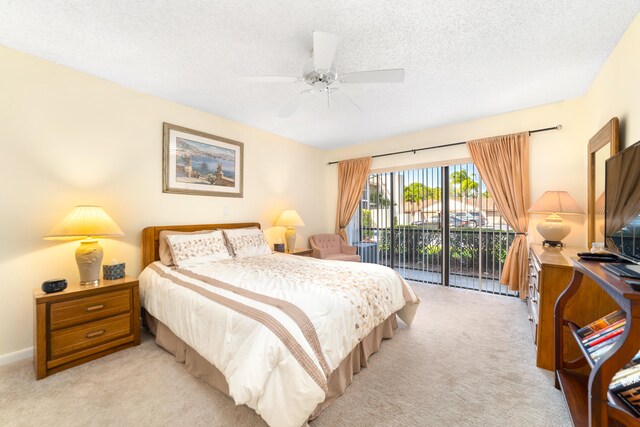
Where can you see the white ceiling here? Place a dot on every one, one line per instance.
(464, 59)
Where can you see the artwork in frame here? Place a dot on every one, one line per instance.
(199, 163)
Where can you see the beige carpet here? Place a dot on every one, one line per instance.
(468, 360)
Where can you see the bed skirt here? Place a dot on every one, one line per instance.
(338, 380)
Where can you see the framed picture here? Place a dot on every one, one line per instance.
(202, 164)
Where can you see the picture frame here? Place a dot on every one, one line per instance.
(199, 163)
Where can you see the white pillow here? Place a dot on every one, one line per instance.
(164, 249)
(194, 249)
(247, 242)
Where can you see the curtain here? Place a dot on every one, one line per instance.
(503, 163)
(352, 175)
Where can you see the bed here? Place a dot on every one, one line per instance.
(280, 333)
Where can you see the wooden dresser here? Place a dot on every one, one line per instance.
(80, 324)
(550, 272)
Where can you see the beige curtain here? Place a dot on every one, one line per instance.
(503, 163)
(352, 174)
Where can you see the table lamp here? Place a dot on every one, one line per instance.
(553, 230)
(88, 223)
(290, 218)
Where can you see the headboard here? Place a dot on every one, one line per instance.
(150, 236)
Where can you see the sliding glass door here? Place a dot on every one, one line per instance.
(434, 225)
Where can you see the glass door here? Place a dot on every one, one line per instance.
(433, 225)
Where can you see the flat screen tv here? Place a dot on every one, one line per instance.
(622, 204)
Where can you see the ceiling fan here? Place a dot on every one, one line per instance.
(320, 74)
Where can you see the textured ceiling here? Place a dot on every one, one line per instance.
(463, 59)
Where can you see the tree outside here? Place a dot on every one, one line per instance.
(463, 184)
(418, 192)
(378, 200)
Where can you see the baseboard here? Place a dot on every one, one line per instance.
(26, 353)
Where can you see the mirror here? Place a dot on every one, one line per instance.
(602, 145)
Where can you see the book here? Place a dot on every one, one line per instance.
(635, 361)
(596, 355)
(602, 344)
(605, 338)
(601, 323)
(622, 373)
(631, 397)
(604, 331)
(625, 378)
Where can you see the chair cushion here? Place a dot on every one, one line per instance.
(329, 243)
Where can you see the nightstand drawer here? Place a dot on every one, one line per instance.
(90, 334)
(82, 310)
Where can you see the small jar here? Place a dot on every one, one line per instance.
(597, 247)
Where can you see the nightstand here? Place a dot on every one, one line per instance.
(301, 252)
(83, 323)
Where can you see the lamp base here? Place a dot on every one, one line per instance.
(89, 258)
(290, 238)
(553, 243)
(553, 230)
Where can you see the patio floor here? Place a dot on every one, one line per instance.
(456, 280)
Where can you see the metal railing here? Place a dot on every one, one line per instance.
(406, 231)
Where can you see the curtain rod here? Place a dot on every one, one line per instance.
(415, 150)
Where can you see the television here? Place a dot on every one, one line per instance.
(622, 204)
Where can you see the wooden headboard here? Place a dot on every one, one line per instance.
(150, 236)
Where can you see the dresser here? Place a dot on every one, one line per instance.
(550, 272)
(83, 323)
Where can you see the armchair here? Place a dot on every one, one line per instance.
(331, 246)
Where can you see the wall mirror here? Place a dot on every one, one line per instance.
(602, 145)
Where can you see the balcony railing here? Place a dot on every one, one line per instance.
(474, 252)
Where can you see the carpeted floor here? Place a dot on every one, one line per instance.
(467, 360)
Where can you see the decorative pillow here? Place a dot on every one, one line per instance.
(247, 242)
(165, 250)
(193, 249)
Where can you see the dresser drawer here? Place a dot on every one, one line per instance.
(91, 334)
(82, 310)
(534, 316)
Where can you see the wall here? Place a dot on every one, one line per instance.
(558, 158)
(68, 138)
(616, 89)
(554, 154)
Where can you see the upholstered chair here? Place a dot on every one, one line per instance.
(331, 246)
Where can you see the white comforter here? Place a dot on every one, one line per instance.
(274, 359)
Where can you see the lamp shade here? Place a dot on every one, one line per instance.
(85, 221)
(556, 202)
(290, 218)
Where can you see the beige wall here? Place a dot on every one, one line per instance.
(68, 138)
(558, 158)
(616, 89)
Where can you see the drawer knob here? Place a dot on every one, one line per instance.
(530, 318)
(94, 334)
(534, 300)
(94, 308)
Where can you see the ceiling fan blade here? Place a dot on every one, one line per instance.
(324, 49)
(269, 79)
(341, 98)
(293, 105)
(395, 75)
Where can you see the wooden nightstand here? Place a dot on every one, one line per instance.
(84, 323)
(301, 252)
